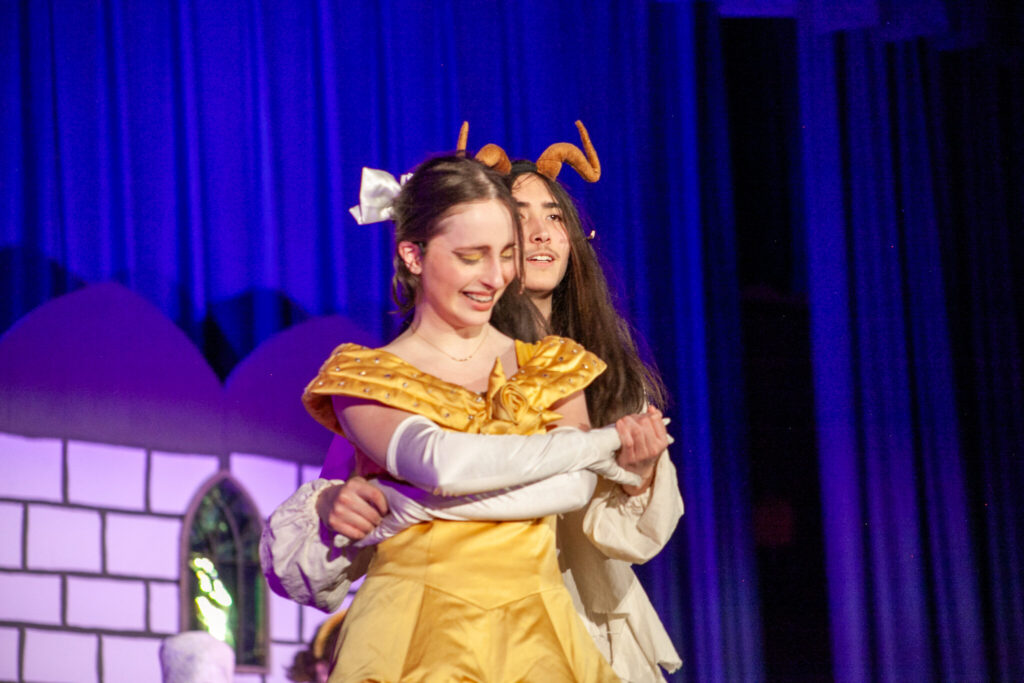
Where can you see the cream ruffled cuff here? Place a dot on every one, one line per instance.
(302, 559)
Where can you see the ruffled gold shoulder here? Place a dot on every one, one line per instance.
(554, 367)
(549, 370)
(358, 371)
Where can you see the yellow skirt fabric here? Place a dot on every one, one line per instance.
(471, 602)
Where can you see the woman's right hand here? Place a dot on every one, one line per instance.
(352, 509)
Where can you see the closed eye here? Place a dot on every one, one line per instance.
(474, 257)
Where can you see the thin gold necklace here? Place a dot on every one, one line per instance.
(483, 338)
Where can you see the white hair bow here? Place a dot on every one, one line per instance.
(377, 192)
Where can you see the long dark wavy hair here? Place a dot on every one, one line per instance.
(435, 187)
(582, 309)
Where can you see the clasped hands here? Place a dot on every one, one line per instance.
(644, 438)
(356, 507)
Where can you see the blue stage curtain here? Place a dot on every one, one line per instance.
(904, 572)
(205, 153)
(691, 179)
(983, 214)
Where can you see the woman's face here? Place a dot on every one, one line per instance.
(544, 234)
(465, 268)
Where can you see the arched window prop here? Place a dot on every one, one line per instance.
(222, 587)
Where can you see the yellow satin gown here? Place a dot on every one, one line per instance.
(464, 601)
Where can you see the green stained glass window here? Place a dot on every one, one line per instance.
(223, 589)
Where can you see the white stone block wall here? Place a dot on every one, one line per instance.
(109, 604)
(311, 620)
(89, 567)
(129, 660)
(12, 516)
(267, 480)
(309, 473)
(143, 545)
(174, 478)
(106, 476)
(31, 598)
(164, 607)
(61, 656)
(284, 619)
(10, 644)
(33, 468)
(64, 538)
(248, 678)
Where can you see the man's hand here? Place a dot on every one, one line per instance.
(643, 439)
(352, 509)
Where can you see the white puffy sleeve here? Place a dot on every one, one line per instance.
(305, 561)
(635, 528)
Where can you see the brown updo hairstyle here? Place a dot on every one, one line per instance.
(434, 189)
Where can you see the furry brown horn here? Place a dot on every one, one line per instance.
(495, 157)
(589, 167)
(490, 154)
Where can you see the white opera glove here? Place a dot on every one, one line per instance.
(454, 463)
(408, 505)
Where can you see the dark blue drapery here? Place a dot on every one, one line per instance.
(981, 213)
(922, 559)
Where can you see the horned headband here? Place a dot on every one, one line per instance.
(378, 189)
(549, 163)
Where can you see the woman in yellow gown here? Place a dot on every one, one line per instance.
(468, 601)
(598, 538)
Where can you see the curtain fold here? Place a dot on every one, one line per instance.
(902, 568)
(689, 181)
(983, 242)
(740, 626)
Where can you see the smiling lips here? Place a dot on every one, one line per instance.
(480, 300)
(541, 257)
